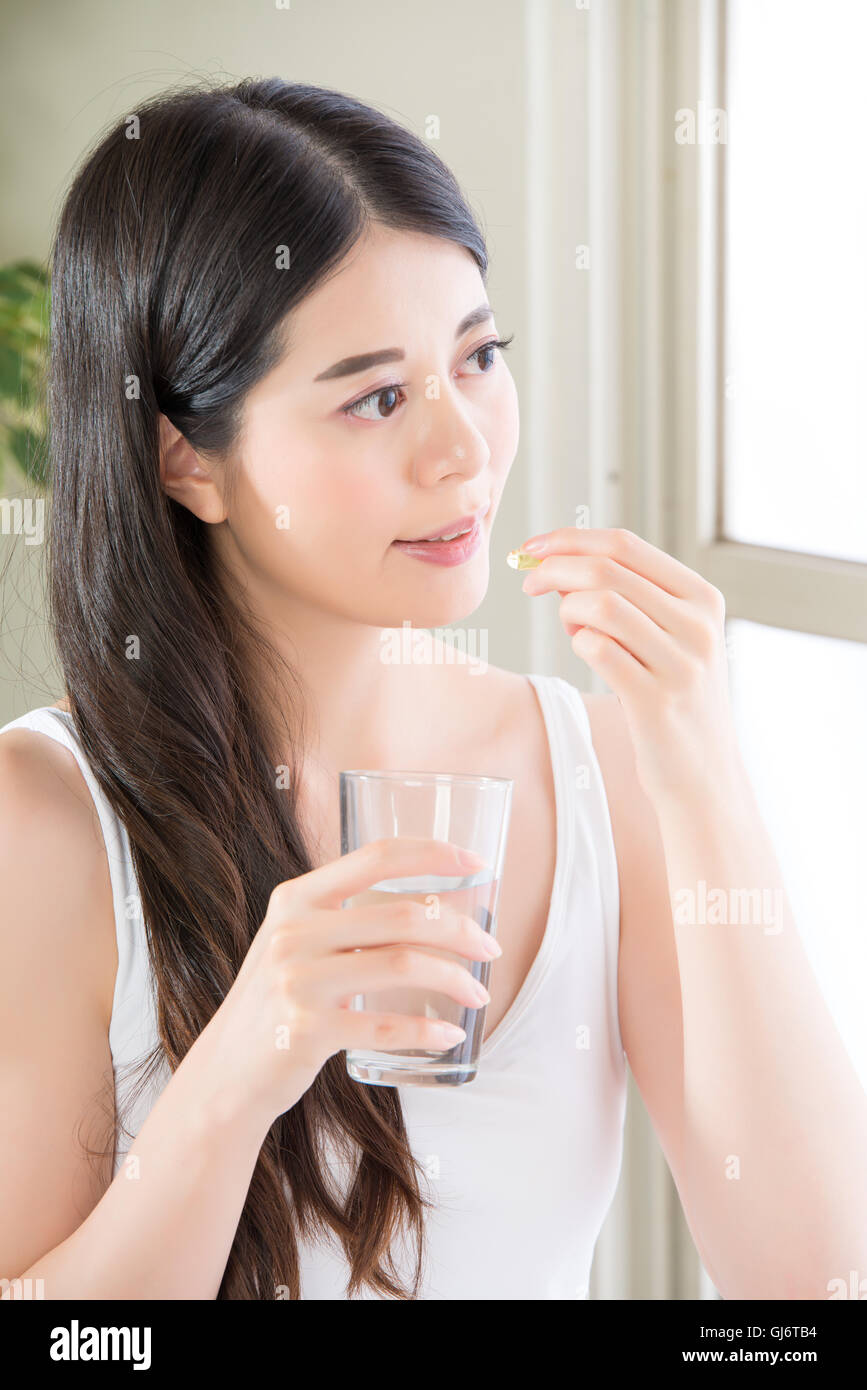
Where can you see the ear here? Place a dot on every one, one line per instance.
(186, 477)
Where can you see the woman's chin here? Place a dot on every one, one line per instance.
(443, 609)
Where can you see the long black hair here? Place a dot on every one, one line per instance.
(169, 294)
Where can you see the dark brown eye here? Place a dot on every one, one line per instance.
(390, 392)
(375, 396)
(491, 348)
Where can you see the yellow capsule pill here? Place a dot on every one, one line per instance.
(522, 560)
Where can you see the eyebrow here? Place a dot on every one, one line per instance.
(349, 366)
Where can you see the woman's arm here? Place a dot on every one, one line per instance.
(773, 1138)
(775, 1116)
(164, 1227)
(758, 1107)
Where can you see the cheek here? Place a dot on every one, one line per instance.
(345, 495)
(343, 516)
(328, 505)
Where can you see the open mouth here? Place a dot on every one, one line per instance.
(461, 526)
(439, 540)
(453, 545)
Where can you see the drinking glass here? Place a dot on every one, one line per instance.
(472, 813)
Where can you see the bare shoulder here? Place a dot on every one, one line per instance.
(634, 823)
(51, 837)
(58, 961)
(649, 995)
(629, 807)
(608, 727)
(633, 819)
(508, 697)
(495, 703)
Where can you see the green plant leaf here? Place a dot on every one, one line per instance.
(10, 372)
(30, 451)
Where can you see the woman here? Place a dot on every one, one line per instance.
(274, 371)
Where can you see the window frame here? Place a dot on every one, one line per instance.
(763, 584)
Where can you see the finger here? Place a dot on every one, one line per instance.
(386, 1032)
(329, 981)
(585, 573)
(383, 924)
(400, 857)
(628, 550)
(615, 616)
(618, 667)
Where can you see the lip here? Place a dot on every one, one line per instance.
(455, 552)
(461, 523)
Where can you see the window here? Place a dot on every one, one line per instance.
(795, 287)
(769, 459)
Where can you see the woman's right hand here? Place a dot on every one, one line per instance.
(289, 1010)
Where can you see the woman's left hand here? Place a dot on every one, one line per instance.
(654, 631)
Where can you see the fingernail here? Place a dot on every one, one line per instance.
(492, 947)
(449, 1033)
(536, 546)
(481, 993)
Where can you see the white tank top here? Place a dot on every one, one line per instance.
(522, 1162)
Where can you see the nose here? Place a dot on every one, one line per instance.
(448, 444)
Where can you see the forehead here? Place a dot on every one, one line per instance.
(394, 289)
